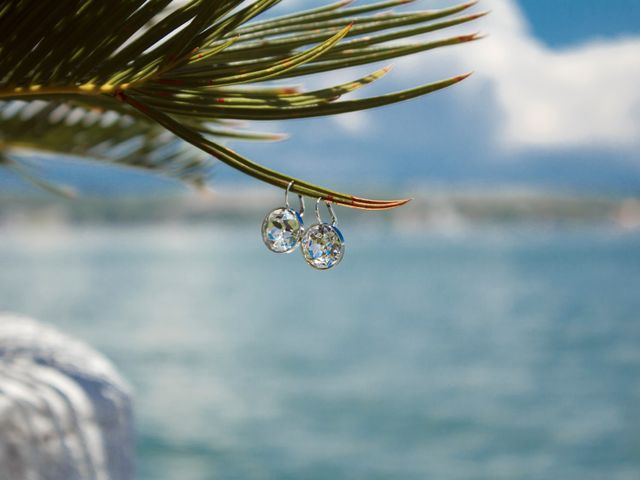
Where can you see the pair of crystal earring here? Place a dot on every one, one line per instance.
(283, 231)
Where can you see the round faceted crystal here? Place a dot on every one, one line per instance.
(282, 230)
(323, 246)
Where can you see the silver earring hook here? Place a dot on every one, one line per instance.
(286, 194)
(334, 220)
(300, 198)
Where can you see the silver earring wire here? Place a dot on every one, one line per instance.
(300, 198)
(334, 220)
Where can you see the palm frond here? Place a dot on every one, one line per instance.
(101, 135)
(189, 68)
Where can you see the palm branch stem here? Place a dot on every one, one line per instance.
(16, 93)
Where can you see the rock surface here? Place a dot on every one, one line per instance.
(65, 413)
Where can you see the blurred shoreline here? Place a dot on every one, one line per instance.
(433, 209)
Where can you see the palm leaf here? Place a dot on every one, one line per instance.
(188, 68)
(109, 136)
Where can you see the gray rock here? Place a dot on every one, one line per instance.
(65, 413)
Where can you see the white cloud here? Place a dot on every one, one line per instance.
(584, 96)
(355, 123)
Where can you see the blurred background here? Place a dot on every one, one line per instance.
(488, 330)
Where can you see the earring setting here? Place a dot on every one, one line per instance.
(282, 228)
(322, 245)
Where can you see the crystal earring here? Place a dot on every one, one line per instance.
(283, 227)
(323, 244)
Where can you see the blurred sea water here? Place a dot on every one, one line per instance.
(490, 353)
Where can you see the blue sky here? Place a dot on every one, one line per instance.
(554, 102)
(589, 19)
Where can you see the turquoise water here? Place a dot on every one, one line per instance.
(490, 354)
